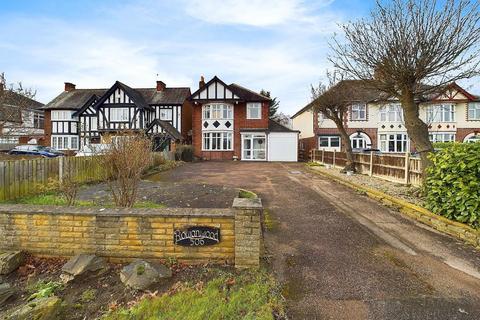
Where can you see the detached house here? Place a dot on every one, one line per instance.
(79, 117)
(375, 120)
(232, 122)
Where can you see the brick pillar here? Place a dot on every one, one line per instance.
(247, 232)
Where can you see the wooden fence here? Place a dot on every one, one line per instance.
(400, 168)
(19, 178)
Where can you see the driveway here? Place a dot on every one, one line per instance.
(341, 255)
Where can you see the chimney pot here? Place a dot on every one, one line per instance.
(69, 86)
(201, 83)
(161, 85)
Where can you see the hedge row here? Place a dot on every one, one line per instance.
(453, 183)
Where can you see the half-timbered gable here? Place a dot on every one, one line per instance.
(94, 112)
(215, 89)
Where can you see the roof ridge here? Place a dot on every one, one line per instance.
(235, 84)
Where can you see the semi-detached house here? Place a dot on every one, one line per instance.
(374, 120)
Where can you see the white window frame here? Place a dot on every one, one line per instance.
(222, 140)
(217, 111)
(254, 106)
(360, 136)
(473, 112)
(356, 112)
(329, 140)
(119, 114)
(386, 137)
(441, 136)
(391, 113)
(438, 113)
(252, 136)
(166, 114)
(65, 142)
(62, 115)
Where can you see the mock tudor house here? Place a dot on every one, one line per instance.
(375, 121)
(232, 122)
(79, 117)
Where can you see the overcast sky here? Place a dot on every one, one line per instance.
(277, 45)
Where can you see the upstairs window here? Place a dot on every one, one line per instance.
(217, 111)
(359, 112)
(254, 110)
(441, 113)
(474, 111)
(62, 115)
(391, 113)
(166, 114)
(119, 114)
(38, 120)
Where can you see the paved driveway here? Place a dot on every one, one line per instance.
(341, 255)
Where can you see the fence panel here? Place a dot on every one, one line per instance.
(400, 168)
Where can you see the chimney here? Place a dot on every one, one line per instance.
(69, 86)
(161, 85)
(201, 83)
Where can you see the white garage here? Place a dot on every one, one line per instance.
(282, 144)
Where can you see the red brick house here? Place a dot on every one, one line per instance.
(232, 122)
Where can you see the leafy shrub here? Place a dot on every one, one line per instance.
(453, 183)
(442, 145)
(43, 289)
(184, 153)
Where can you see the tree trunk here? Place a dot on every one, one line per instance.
(350, 163)
(417, 129)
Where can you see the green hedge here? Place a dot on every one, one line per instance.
(453, 183)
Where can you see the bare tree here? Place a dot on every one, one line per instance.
(412, 48)
(124, 163)
(16, 105)
(333, 101)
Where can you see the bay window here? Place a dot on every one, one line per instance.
(65, 142)
(217, 111)
(391, 113)
(441, 113)
(328, 142)
(217, 141)
(394, 142)
(474, 111)
(254, 110)
(441, 137)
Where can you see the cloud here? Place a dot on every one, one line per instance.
(257, 13)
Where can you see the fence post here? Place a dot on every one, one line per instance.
(333, 164)
(323, 156)
(60, 169)
(407, 167)
(313, 155)
(371, 163)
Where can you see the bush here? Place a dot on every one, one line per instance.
(184, 153)
(442, 145)
(453, 183)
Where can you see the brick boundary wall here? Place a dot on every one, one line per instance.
(122, 235)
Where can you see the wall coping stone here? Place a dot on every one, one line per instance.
(247, 203)
(116, 212)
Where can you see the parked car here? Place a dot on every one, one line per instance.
(34, 150)
(93, 149)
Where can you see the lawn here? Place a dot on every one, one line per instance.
(228, 295)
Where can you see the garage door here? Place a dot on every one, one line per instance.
(282, 146)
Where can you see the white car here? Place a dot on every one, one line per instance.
(93, 150)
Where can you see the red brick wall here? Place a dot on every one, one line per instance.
(463, 132)
(48, 128)
(240, 122)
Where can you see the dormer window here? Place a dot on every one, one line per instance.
(254, 110)
(359, 112)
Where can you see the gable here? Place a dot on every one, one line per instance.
(120, 93)
(118, 96)
(454, 92)
(88, 108)
(215, 89)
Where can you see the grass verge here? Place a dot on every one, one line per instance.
(229, 295)
(58, 200)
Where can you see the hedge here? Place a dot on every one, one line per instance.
(452, 184)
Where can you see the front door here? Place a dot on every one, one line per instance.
(254, 147)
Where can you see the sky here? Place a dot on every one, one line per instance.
(277, 45)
